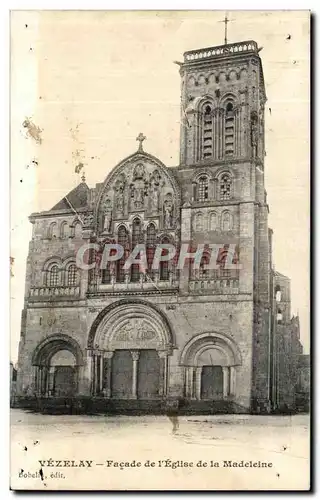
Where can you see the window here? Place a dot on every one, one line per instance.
(52, 231)
(151, 245)
(72, 275)
(226, 221)
(213, 221)
(203, 185)
(53, 276)
(207, 146)
(204, 273)
(229, 130)
(164, 265)
(78, 230)
(106, 275)
(278, 293)
(64, 230)
(136, 235)
(123, 241)
(225, 187)
(279, 316)
(198, 222)
(106, 271)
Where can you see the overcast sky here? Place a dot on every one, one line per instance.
(93, 80)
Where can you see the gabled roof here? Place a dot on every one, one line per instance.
(77, 198)
(279, 275)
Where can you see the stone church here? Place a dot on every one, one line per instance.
(122, 337)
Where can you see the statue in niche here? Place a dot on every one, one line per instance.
(138, 188)
(137, 194)
(138, 172)
(168, 211)
(119, 189)
(155, 178)
(155, 200)
(154, 186)
(107, 216)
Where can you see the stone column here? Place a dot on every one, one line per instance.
(135, 357)
(35, 378)
(101, 373)
(186, 381)
(225, 373)
(95, 376)
(232, 380)
(163, 355)
(107, 372)
(198, 382)
(50, 380)
(40, 380)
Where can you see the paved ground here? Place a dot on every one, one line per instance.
(217, 441)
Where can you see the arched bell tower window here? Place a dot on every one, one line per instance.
(53, 275)
(72, 275)
(207, 142)
(229, 130)
(202, 188)
(225, 186)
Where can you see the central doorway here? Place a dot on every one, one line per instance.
(148, 374)
(211, 382)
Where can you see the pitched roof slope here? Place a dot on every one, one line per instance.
(77, 197)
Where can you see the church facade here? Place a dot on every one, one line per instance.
(206, 335)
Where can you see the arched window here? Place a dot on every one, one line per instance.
(204, 273)
(279, 316)
(226, 221)
(202, 188)
(164, 265)
(207, 145)
(198, 222)
(213, 221)
(53, 275)
(229, 130)
(225, 187)
(151, 245)
(78, 230)
(136, 237)
(221, 261)
(52, 230)
(64, 230)
(123, 240)
(106, 270)
(278, 293)
(72, 275)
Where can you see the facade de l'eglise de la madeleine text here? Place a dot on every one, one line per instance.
(222, 339)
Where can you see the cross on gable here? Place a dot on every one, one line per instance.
(140, 138)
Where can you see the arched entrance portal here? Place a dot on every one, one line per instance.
(56, 362)
(210, 361)
(129, 351)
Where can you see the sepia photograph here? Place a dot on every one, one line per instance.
(159, 253)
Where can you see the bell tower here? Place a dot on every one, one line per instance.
(222, 105)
